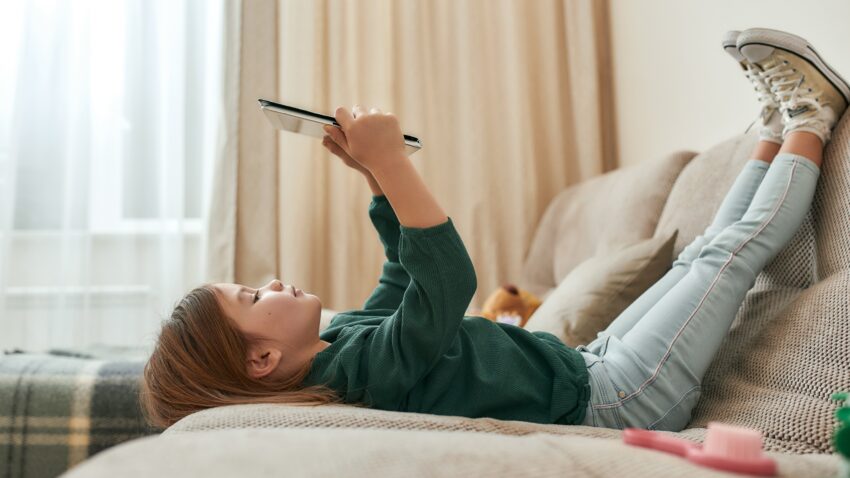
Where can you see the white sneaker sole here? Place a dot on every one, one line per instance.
(796, 45)
(730, 44)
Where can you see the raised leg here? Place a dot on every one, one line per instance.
(662, 359)
(651, 376)
(733, 206)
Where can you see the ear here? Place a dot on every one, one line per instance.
(262, 361)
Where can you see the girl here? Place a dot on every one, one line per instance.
(411, 349)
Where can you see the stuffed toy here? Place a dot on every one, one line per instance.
(510, 304)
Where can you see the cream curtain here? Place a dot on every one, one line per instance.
(113, 114)
(511, 99)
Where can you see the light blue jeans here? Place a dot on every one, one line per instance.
(646, 368)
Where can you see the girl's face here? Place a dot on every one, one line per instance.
(286, 317)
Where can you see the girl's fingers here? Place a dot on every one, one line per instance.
(343, 117)
(329, 143)
(358, 111)
(336, 135)
(334, 148)
(375, 111)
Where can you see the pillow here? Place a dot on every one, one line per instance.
(596, 291)
(616, 208)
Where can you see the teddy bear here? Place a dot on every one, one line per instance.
(510, 304)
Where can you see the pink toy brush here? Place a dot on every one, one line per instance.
(726, 447)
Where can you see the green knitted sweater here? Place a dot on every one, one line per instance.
(410, 348)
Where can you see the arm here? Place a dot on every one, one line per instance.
(372, 144)
(373, 185)
(394, 278)
(406, 346)
(376, 143)
(412, 201)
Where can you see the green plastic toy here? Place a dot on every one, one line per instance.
(841, 438)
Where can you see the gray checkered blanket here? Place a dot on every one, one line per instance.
(59, 407)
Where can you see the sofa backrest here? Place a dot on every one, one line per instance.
(788, 349)
(615, 208)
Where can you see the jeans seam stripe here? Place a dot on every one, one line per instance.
(685, 395)
(749, 238)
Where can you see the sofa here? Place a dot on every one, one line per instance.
(787, 352)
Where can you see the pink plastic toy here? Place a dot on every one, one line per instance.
(726, 447)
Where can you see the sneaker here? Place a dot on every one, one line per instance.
(771, 118)
(811, 95)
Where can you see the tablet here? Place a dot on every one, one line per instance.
(306, 122)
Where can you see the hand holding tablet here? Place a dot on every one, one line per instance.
(306, 122)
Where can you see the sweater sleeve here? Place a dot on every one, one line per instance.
(394, 278)
(404, 347)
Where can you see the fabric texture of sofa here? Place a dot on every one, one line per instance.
(785, 355)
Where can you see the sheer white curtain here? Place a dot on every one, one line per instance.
(112, 117)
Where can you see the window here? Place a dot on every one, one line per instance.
(110, 112)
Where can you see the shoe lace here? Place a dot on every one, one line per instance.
(759, 85)
(786, 82)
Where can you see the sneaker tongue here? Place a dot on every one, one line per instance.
(769, 62)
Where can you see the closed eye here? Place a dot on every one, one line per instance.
(257, 295)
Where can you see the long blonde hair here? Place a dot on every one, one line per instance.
(199, 362)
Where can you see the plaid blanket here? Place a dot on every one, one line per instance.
(59, 407)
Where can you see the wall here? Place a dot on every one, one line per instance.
(676, 88)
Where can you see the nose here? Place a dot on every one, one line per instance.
(275, 284)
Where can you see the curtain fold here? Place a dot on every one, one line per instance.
(258, 215)
(244, 219)
(220, 231)
(512, 102)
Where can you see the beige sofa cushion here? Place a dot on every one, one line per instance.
(614, 209)
(370, 453)
(594, 293)
(787, 349)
